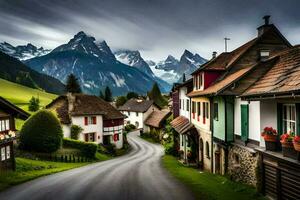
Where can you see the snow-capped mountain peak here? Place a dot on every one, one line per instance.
(23, 52)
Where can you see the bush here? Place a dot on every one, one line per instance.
(108, 149)
(42, 132)
(170, 149)
(129, 127)
(75, 131)
(34, 104)
(121, 100)
(88, 149)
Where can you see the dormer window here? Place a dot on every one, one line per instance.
(198, 81)
(264, 54)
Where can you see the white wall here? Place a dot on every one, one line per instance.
(183, 109)
(133, 118)
(91, 128)
(66, 130)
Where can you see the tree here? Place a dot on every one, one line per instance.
(72, 85)
(108, 94)
(34, 104)
(42, 132)
(75, 131)
(131, 95)
(183, 78)
(121, 100)
(101, 95)
(156, 96)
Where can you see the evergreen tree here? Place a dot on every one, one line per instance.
(121, 100)
(183, 77)
(156, 96)
(108, 94)
(131, 95)
(72, 85)
(101, 95)
(34, 104)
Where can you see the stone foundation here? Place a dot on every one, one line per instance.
(242, 164)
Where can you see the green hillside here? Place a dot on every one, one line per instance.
(20, 95)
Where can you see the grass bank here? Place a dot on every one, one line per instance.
(205, 185)
(27, 169)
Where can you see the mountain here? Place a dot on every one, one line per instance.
(134, 59)
(14, 70)
(172, 70)
(22, 52)
(94, 65)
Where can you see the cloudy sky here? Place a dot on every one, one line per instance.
(155, 27)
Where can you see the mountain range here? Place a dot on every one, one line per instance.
(96, 66)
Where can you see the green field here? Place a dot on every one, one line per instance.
(206, 185)
(20, 95)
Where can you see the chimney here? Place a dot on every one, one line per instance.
(261, 29)
(214, 54)
(71, 101)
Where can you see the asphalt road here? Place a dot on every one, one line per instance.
(137, 175)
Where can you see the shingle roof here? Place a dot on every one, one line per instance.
(136, 105)
(283, 76)
(83, 105)
(10, 108)
(156, 118)
(181, 124)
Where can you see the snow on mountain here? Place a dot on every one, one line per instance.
(22, 52)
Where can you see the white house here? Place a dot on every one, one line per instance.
(137, 111)
(100, 121)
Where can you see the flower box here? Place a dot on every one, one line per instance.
(288, 149)
(270, 136)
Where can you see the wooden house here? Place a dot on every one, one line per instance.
(8, 113)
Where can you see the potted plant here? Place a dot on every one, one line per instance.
(286, 141)
(270, 136)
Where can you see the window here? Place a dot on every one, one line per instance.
(128, 113)
(4, 125)
(182, 140)
(179, 103)
(264, 54)
(187, 105)
(89, 137)
(200, 80)
(137, 114)
(137, 124)
(182, 104)
(193, 107)
(216, 111)
(7, 152)
(206, 110)
(3, 153)
(289, 118)
(90, 120)
(207, 149)
(198, 108)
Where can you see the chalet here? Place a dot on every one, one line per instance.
(156, 121)
(232, 73)
(276, 97)
(137, 111)
(8, 113)
(101, 122)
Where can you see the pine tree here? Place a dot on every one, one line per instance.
(108, 95)
(131, 95)
(72, 85)
(121, 100)
(101, 95)
(156, 96)
(34, 104)
(183, 77)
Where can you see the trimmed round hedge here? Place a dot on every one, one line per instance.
(42, 132)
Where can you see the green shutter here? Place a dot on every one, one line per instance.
(297, 119)
(244, 122)
(279, 118)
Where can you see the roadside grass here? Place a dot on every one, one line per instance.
(205, 185)
(27, 169)
(149, 139)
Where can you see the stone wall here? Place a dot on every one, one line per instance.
(242, 164)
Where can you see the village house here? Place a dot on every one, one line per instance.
(137, 111)
(8, 113)
(224, 111)
(276, 97)
(156, 122)
(100, 121)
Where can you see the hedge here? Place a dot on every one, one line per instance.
(87, 149)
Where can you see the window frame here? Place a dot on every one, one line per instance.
(188, 105)
(287, 121)
(216, 111)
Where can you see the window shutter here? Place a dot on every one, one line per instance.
(297, 119)
(279, 118)
(94, 120)
(244, 122)
(85, 121)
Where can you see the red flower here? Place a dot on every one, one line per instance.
(287, 137)
(297, 139)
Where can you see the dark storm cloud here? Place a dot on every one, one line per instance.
(156, 27)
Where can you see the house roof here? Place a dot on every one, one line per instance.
(137, 105)
(156, 118)
(283, 77)
(181, 124)
(11, 109)
(83, 105)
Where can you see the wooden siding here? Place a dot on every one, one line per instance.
(175, 99)
(210, 77)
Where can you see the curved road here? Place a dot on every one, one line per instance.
(137, 175)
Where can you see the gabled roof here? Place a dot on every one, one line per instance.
(137, 105)
(156, 118)
(13, 110)
(83, 105)
(181, 124)
(283, 77)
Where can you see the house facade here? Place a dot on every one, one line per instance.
(100, 121)
(8, 113)
(156, 122)
(137, 111)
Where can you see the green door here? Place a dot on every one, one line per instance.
(244, 122)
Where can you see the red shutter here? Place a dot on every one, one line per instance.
(116, 137)
(85, 121)
(86, 137)
(94, 120)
